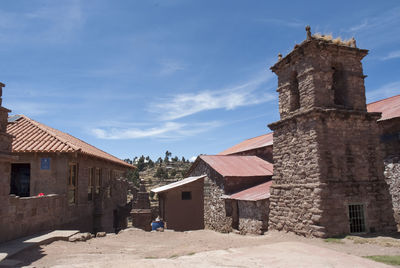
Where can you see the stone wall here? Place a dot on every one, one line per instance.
(326, 149)
(294, 198)
(324, 161)
(392, 174)
(214, 206)
(253, 216)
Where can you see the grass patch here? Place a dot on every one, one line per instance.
(380, 241)
(191, 253)
(173, 256)
(358, 240)
(334, 240)
(392, 260)
(150, 257)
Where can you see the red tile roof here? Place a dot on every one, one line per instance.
(250, 144)
(390, 107)
(31, 136)
(258, 192)
(238, 166)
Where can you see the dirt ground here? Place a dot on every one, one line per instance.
(204, 248)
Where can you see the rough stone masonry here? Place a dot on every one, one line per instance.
(328, 168)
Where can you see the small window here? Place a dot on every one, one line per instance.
(186, 195)
(339, 86)
(91, 184)
(97, 180)
(294, 98)
(357, 218)
(72, 183)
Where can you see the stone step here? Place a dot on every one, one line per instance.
(13, 247)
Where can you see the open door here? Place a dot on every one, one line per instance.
(20, 179)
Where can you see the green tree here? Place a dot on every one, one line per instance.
(141, 164)
(133, 176)
(183, 159)
(161, 173)
(167, 156)
(150, 164)
(173, 173)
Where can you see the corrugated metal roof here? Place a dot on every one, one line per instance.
(258, 192)
(390, 107)
(177, 184)
(31, 136)
(250, 144)
(238, 165)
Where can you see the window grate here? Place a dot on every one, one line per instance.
(357, 219)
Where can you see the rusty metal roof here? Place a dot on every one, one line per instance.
(390, 107)
(31, 136)
(255, 193)
(250, 144)
(177, 184)
(238, 165)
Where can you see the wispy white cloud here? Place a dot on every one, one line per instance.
(286, 23)
(52, 21)
(168, 130)
(378, 29)
(384, 91)
(27, 107)
(244, 94)
(169, 67)
(392, 55)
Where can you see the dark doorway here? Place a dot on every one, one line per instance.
(357, 219)
(20, 179)
(235, 215)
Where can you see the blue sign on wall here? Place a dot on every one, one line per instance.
(45, 163)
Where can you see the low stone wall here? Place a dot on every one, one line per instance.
(28, 215)
(392, 175)
(253, 216)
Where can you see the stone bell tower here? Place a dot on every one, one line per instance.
(328, 168)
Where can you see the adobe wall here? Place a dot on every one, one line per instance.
(51, 181)
(390, 136)
(184, 215)
(253, 216)
(102, 207)
(214, 206)
(264, 153)
(28, 215)
(236, 184)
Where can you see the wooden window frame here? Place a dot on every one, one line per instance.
(97, 180)
(72, 183)
(91, 184)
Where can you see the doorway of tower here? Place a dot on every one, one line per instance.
(20, 179)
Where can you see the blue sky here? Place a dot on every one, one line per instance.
(191, 77)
